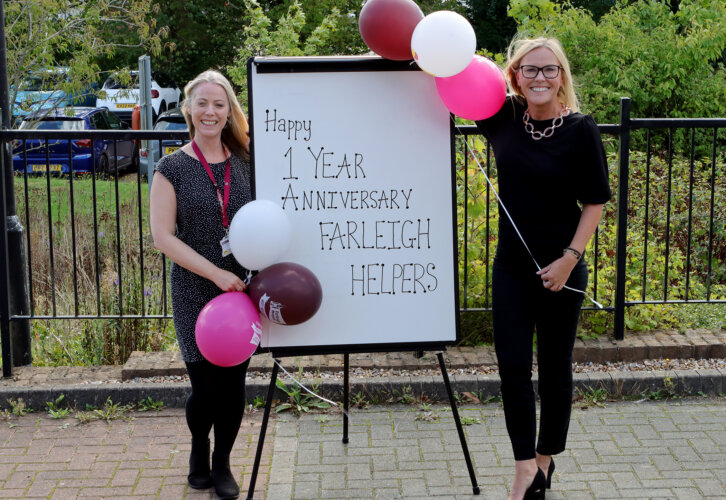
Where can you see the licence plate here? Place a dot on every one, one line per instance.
(170, 149)
(126, 105)
(44, 168)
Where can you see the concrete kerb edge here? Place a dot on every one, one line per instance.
(174, 395)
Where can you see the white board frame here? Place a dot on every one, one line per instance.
(296, 77)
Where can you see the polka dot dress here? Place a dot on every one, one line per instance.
(199, 225)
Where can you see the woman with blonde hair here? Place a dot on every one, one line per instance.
(553, 181)
(195, 193)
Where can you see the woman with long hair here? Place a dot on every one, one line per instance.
(195, 193)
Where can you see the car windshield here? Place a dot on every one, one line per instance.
(35, 83)
(166, 125)
(52, 124)
(114, 82)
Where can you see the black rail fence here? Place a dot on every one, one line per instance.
(72, 253)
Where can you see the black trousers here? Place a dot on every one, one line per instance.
(522, 305)
(217, 401)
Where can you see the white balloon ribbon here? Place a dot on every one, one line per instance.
(311, 392)
(501, 204)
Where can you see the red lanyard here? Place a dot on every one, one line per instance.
(223, 202)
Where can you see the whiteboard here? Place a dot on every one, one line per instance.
(358, 152)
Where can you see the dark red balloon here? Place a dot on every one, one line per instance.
(286, 293)
(387, 25)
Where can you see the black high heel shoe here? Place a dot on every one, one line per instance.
(550, 470)
(536, 490)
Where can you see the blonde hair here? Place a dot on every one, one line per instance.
(234, 134)
(521, 47)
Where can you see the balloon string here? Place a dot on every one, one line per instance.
(311, 392)
(501, 204)
(248, 278)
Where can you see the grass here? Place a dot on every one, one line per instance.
(114, 269)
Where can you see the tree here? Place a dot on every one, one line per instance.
(493, 27)
(202, 35)
(43, 34)
(284, 39)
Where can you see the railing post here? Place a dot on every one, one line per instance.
(622, 227)
(13, 278)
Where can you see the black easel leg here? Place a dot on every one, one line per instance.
(346, 395)
(263, 430)
(459, 428)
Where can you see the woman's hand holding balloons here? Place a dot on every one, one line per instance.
(228, 281)
(555, 276)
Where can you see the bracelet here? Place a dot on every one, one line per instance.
(574, 252)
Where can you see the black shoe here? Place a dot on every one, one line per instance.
(199, 477)
(550, 470)
(224, 483)
(536, 490)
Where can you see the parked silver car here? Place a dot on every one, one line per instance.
(172, 120)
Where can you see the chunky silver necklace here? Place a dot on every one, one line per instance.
(549, 131)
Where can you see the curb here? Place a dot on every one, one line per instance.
(657, 384)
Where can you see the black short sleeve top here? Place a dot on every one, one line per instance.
(542, 181)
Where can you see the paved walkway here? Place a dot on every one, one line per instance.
(672, 450)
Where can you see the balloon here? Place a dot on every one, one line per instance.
(443, 43)
(228, 329)
(259, 234)
(387, 25)
(476, 93)
(286, 293)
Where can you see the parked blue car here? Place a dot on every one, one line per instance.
(42, 91)
(34, 155)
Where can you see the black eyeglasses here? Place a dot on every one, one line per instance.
(550, 71)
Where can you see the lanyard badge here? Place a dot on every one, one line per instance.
(223, 200)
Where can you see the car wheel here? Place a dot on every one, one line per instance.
(104, 166)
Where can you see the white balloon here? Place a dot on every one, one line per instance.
(443, 43)
(259, 234)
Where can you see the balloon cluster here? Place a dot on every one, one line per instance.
(229, 327)
(443, 44)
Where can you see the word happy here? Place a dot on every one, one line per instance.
(292, 127)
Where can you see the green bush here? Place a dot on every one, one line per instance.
(667, 62)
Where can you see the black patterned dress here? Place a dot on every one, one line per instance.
(199, 225)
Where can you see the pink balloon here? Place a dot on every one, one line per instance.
(476, 93)
(228, 329)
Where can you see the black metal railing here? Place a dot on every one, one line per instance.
(642, 231)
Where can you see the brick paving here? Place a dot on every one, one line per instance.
(643, 450)
(629, 449)
(145, 457)
(674, 449)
